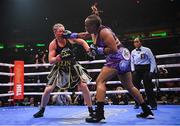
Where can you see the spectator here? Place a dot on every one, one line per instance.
(40, 58)
(79, 100)
(1, 103)
(120, 98)
(62, 99)
(31, 101)
(26, 101)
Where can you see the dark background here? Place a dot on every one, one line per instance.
(30, 21)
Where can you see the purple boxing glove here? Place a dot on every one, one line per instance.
(69, 35)
(100, 50)
(96, 50)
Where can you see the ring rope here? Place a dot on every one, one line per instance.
(92, 92)
(91, 83)
(6, 64)
(167, 55)
(90, 62)
(89, 70)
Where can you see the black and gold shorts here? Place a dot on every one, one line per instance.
(69, 76)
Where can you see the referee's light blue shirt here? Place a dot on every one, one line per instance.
(142, 56)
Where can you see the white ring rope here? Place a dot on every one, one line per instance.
(6, 74)
(89, 70)
(169, 65)
(92, 92)
(8, 94)
(90, 62)
(91, 83)
(37, 65)
(6, 64)
(168, 55)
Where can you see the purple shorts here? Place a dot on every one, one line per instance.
(119, 61)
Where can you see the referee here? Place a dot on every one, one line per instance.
(143, 65)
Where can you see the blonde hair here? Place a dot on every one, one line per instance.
(57, 26)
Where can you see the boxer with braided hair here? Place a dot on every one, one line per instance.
(106, 43)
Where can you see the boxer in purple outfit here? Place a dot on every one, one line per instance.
(106, 43)
(117, 63)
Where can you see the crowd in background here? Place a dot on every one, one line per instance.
(41, 56)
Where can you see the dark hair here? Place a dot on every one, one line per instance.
(94, 19)
(139, 39)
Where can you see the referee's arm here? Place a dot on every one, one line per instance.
(152, 61)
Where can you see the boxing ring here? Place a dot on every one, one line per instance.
(75, 115)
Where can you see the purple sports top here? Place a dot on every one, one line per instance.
(119, 60)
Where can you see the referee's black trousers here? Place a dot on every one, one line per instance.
(142, 72)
